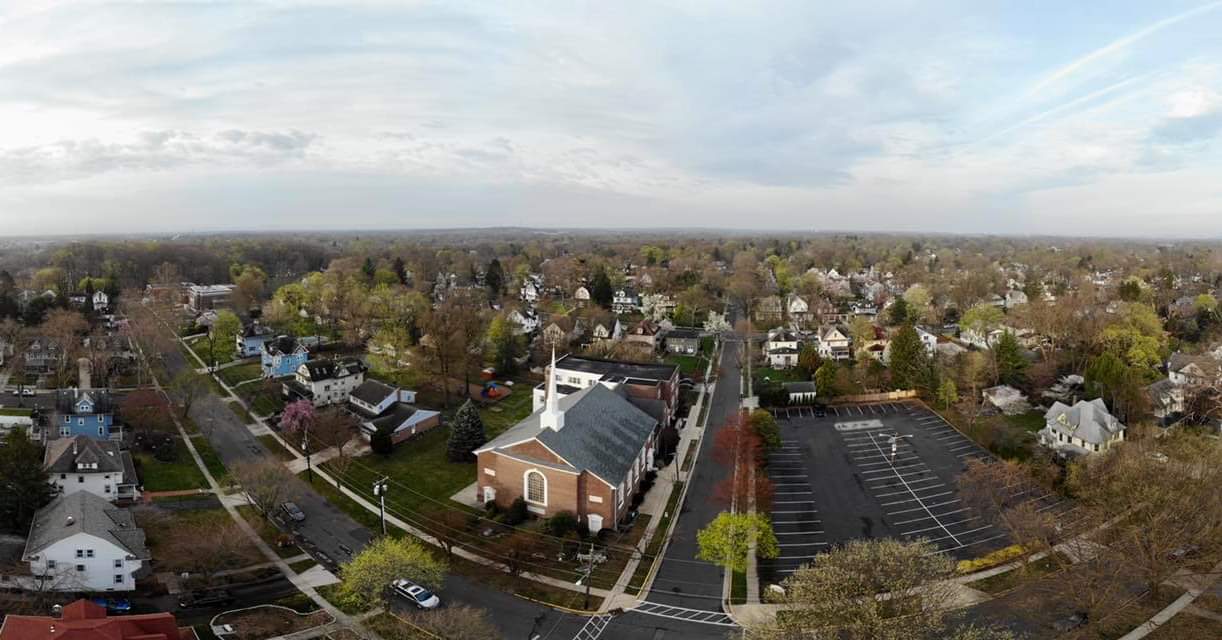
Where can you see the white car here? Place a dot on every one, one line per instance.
(26, 391)
(416, 594)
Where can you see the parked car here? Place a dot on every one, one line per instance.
(114, 605)
(820, 411)
(216, 598)
(1075, 621)
(416, 594)
(293, 511)
(27, 392)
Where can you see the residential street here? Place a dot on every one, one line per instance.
(334, 533)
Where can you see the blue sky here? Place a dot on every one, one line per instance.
(1099, 118)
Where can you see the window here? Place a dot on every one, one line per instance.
(80, 567)
(119, 563)
(65, 431)
(63, 476)
(100, 421)
(536, 487)
(80, 479)
(89, 553)
(50, 564)
(80, 553)
(118, 578)
(106, 489)
(80, 421)
(67, 419)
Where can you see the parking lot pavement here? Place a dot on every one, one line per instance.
(869, 471)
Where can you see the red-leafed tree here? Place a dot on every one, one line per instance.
(145, 410)
(739, 447)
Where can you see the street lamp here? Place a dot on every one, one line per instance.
(895, 440)
(379, 490)
(305, 448)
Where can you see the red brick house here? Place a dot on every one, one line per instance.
(585, 453)
(84, 620)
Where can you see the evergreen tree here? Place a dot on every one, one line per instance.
(1011, 364)
(907, 358)
(808, 360)
(825, 380)
(368, 268)
(400, 270)
(25, 484)
(600, 288)
(88, 310)
(495, 279)
(466, 433)
(898, 313)
(381, 441)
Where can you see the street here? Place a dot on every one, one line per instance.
(333, 532)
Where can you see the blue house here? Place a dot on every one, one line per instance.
(250, 341)
(282, 356)
(83, 412)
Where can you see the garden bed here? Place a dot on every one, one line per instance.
(269, 621)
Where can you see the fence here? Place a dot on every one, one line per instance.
(886, 396)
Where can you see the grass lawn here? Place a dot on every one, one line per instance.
(240, 411)
(268, 532)
(1030, 422)
(689, 366)
(211, 460)
(1187, 626)
(15, 411)
(263, 399)
(301, 566)
(420, 464)
(1003, 582)
(273, 445)
(792, 374)
(391, 627)
(241, 373)
(224, 352)
(689, 456)
(508, 411)
(179, 475)
(159, 525)
(738, 588)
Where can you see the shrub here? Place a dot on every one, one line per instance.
(562, 524)
(381, 442)
(517, 512)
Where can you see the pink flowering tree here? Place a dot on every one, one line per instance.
(298, 416)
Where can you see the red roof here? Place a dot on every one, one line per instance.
(84, 620)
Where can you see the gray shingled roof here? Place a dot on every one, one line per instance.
(90, 514)
(616, 368)
(60, 456)
(372, 392)
(1088, 421)
(603, 433)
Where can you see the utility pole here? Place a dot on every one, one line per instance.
(379, 490)
(586, 578)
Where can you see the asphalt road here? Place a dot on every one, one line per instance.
(331, 531)
(682, 580)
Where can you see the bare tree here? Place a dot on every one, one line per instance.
(1004, 494)
(462, 622)
(266, 483)
(188, 387)
(225, 548)
(65, 329)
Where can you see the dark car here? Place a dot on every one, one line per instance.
(293, 511)
(1075, 621)
(219, 597)
(114, 605)
(820, 411)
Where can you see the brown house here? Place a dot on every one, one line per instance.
(585, 453)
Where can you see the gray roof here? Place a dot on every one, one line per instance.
(800, 387)
(64, 454)
(603, 432)
(683, 333)
(617, 368)
(89, 514)
(373, 392)
(66, 399)
(1086, 420)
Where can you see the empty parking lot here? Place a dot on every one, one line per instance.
(872, 470)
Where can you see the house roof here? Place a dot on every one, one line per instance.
(84, 512)
(373, 392)
(603, 433)
(644, 371)
(317, 370)
(85, 620)
(683, 333)
(63, 455)
(66, 400)
(800, 387)
(256, 330)
(1207, 364)
(1086, 420)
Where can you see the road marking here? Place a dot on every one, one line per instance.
(899, 522)
(936, 495)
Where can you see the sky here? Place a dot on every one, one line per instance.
(1021, 117)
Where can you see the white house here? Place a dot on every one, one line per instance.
(532, 288)
(625, 301)
(81, 463)
(1015, 297)
(325, 382)
(1086, 427)
(928, 340)
(797, 308)
(800, 392)
(525, 321)
(100, 300)
(582, 296)
(834, 345)
(782, 348)
(383, 407)
(81, 542)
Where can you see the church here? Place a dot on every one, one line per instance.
(585, 453)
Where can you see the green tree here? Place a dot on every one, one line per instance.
(1009, 359)
(494, 280)
(861, 330)
(808, 360)
(367, 576)
(507, 345)
(907, 358)
(898, 312)
(1136, 336)
(601, 291)
(948, 393)
(766, 427)
(834, 596)
(223, 334)
(26, 487)
(825, 380)
(466, 433)
(1130, 290)
(982, 318)
(727, 539)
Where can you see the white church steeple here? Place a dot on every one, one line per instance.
(552, 417)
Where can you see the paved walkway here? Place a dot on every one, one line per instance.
(1196, 584)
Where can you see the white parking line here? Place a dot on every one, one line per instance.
(924, 507)
(971, 544)
(897, 459)
(964, 533)
(935, 495)
(919, 489)
(798, 533)
(900, 475)
(780, 522)
(949, 524)
(899, 522)
(911, 482)
(961, 446)
(905, 466)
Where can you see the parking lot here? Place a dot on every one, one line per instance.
(870, 471)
